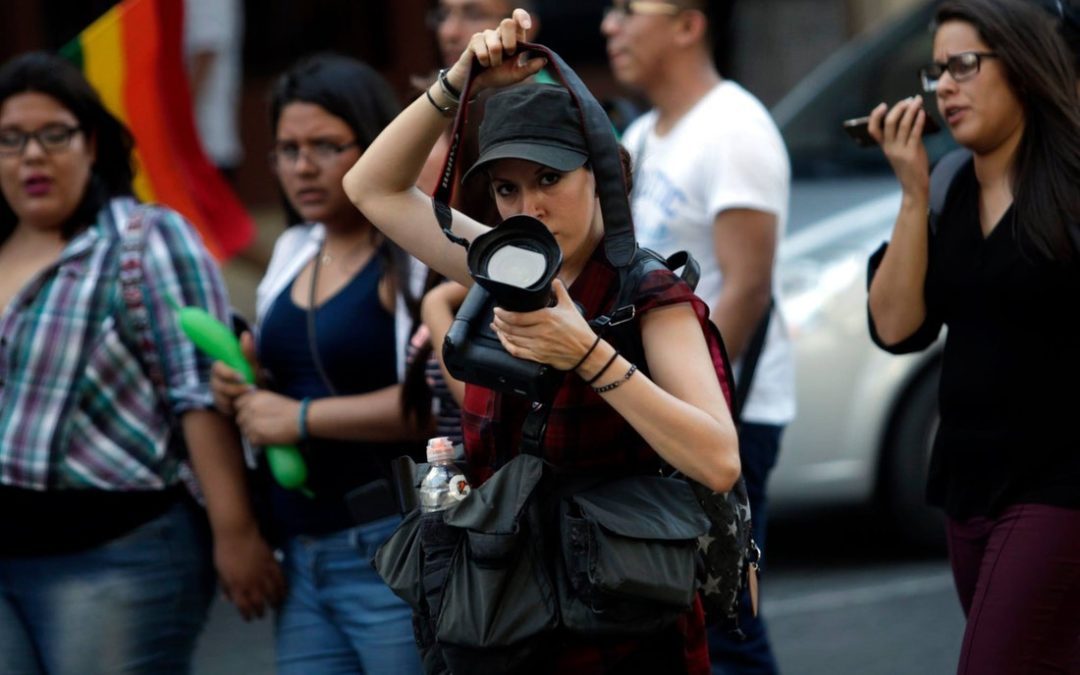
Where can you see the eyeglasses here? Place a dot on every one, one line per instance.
(467, 14)
(321, 152)
(620, 10)
(961, 67)
(51, 138)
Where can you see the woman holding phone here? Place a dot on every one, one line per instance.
(1000, 268)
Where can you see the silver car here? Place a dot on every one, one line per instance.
(866, 418)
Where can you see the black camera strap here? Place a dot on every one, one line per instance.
(619, 243)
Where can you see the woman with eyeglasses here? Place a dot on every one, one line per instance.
(1000, 269)
(331, 331)
(105, 560)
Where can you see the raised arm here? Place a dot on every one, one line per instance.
(382, 183)
(897, 303)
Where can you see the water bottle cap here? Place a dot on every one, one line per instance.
(440, 449)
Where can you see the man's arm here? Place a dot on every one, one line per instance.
(744, 242)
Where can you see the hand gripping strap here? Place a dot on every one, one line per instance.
(619, 243)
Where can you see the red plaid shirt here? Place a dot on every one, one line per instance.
(584, 432)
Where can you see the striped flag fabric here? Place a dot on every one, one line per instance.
(133, 56)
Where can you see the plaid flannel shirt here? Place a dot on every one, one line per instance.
(77, 408)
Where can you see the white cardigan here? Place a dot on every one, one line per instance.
(299, 244)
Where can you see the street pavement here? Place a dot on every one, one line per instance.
(840, 595)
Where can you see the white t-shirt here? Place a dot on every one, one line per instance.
(724, 153)
(217, 26)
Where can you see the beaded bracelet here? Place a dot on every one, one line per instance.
(301, 419)
(616, 383)
(578, 364)
(452, 92)
(444, 110)
(606, 366)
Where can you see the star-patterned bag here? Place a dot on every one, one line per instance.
(728, 553)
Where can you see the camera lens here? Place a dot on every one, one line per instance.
(516, 266)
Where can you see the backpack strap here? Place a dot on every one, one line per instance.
(750, 361)
(941, 181)
(136, 316)
(132, 233)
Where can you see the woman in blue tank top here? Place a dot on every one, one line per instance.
(332, 323)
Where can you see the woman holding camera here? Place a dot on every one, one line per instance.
(606, 415)
(332, 328)
(1000, 269)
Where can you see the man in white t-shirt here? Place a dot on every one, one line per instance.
(712, 177)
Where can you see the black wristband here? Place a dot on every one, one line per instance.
(578, 364)
(450, 90)
(602, 370)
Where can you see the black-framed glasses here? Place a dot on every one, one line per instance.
(471, 14)
(320, 152)
(962, 66)
(51, 138)
(621, 10)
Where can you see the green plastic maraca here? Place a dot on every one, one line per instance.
(214, 339)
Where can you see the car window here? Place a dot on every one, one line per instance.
(881, 67)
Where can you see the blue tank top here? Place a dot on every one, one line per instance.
(355, 337)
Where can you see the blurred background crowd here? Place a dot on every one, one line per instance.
(236, 48)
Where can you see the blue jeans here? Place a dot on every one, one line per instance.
(759, 444)
(132, 605)
(339, 616)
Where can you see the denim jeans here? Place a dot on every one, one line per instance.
(759, 445)
(339, 616)
(132, 605)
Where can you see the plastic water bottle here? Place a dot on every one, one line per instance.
(445, 483)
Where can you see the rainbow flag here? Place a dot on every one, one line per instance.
(133, 56)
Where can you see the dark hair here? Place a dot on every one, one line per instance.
(346, 88)
(718, 16)
(112, 172)
(1039, 70)
(1068, 23)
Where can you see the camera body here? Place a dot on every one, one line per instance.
(472, 353)
(513, 265)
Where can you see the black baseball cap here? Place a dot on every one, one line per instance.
(535, 122)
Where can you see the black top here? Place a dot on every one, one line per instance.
(355, 339)
(1010, 382)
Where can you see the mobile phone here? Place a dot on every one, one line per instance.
(858, 129)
